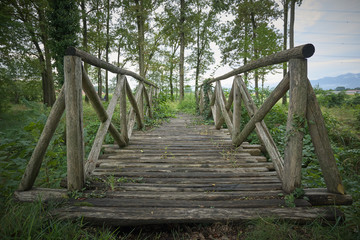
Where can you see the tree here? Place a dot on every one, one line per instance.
(182, 47)
(205, 32)
(250, 35)
(285, 37)
(64, 19)
(33, 15)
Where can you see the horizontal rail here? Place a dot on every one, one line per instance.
(88, 58)
(303, 51)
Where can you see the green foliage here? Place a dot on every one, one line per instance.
(64, 26)
(330, 99)
(188, 105)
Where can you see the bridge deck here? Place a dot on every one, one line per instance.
(184, 172)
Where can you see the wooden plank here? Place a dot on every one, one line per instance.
(322, 144)
(33, 167)
(295, 124)
(163, 203)
(98, 172)
(74, 122)
(142, 216)
(317, 196)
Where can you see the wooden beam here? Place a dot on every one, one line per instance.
(74, 123)
(295, 124)
(134, 103)
(134, 110)
(322, 144)
(103, 128)
(33, 167)
(262, 130)
(259, 115)
(88, 58)
(303, 51)
(99, 109)
(221, 105)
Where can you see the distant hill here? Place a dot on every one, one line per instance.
(349, 80)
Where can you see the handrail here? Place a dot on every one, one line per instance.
(303, 107)
(88, 58)
(76, 80)
(303, 51)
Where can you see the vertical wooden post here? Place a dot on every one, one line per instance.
(141, 102)
(74, 122)
(295, 124)
(123, 114)
(237, 109)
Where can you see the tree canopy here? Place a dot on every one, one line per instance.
(171, 43)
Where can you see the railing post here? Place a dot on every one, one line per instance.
(123, 114)
(74, 122)
(295, 124)
(237, 109)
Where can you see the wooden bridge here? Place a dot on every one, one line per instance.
(184, 171)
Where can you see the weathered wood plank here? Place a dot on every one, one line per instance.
(162, 203)
(143, 216)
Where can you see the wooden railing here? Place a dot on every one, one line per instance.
(76, 80)
(303, 106)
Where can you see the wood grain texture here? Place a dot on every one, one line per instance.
(295, 124)
(74, 123)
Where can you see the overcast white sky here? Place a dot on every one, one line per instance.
(333, 26)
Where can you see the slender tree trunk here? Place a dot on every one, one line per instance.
(256, 55)
(99, 75)
(48, 81)
(140, 20)
(292, 22)
(85, 38)
(182, 48)
(246, 74)
(107, 50)
(286, 12)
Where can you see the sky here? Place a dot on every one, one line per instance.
(333, 27)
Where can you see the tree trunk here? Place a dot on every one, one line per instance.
(99, 75)
(47, 77)
(182, 48)
(286, 11)
(292, 22)
(256, 56)
(140, 20)
(107, 50)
